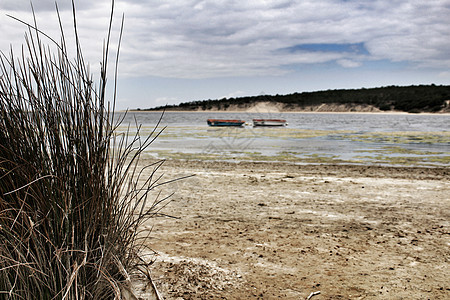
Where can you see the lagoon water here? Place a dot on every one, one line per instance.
(386, 139)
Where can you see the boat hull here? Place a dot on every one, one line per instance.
(269, 122)
(221, 122)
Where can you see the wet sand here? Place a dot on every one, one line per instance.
(282, 231)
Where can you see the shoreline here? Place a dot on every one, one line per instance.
(290, 112)
(345, 169)
(278, 107)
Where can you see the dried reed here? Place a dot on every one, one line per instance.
(70, 202)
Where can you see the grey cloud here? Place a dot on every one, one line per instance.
(197, 39)
(43, 5)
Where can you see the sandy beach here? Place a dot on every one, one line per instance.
(283, 231)
(277, 107)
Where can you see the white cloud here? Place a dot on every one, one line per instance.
(347, 63)
(444, 74)
(203, 39)
(166, 101)
(235, 94)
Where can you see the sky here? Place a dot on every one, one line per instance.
(185, 50)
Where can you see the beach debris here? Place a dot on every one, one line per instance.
(312, 295)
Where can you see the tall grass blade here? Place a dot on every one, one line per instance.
(70, 199)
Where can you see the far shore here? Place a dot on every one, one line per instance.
(289, 112)
(278, 108)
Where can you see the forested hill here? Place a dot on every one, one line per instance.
(421, 98)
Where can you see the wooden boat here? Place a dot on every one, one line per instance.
(222, 122)
(269, 122)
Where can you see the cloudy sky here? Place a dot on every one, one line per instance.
(183, 50)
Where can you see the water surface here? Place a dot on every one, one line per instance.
(386, 139)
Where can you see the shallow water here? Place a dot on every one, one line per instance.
(388, 139)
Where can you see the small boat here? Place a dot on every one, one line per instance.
(269, 122)
(221, 122)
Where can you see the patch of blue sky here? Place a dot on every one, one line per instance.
(355, 48)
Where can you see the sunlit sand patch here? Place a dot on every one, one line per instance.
(208, 272)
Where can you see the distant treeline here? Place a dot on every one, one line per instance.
(421, 98)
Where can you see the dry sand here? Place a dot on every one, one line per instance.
(277, 107)
(280, 231)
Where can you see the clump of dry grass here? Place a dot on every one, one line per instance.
(70, 203)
